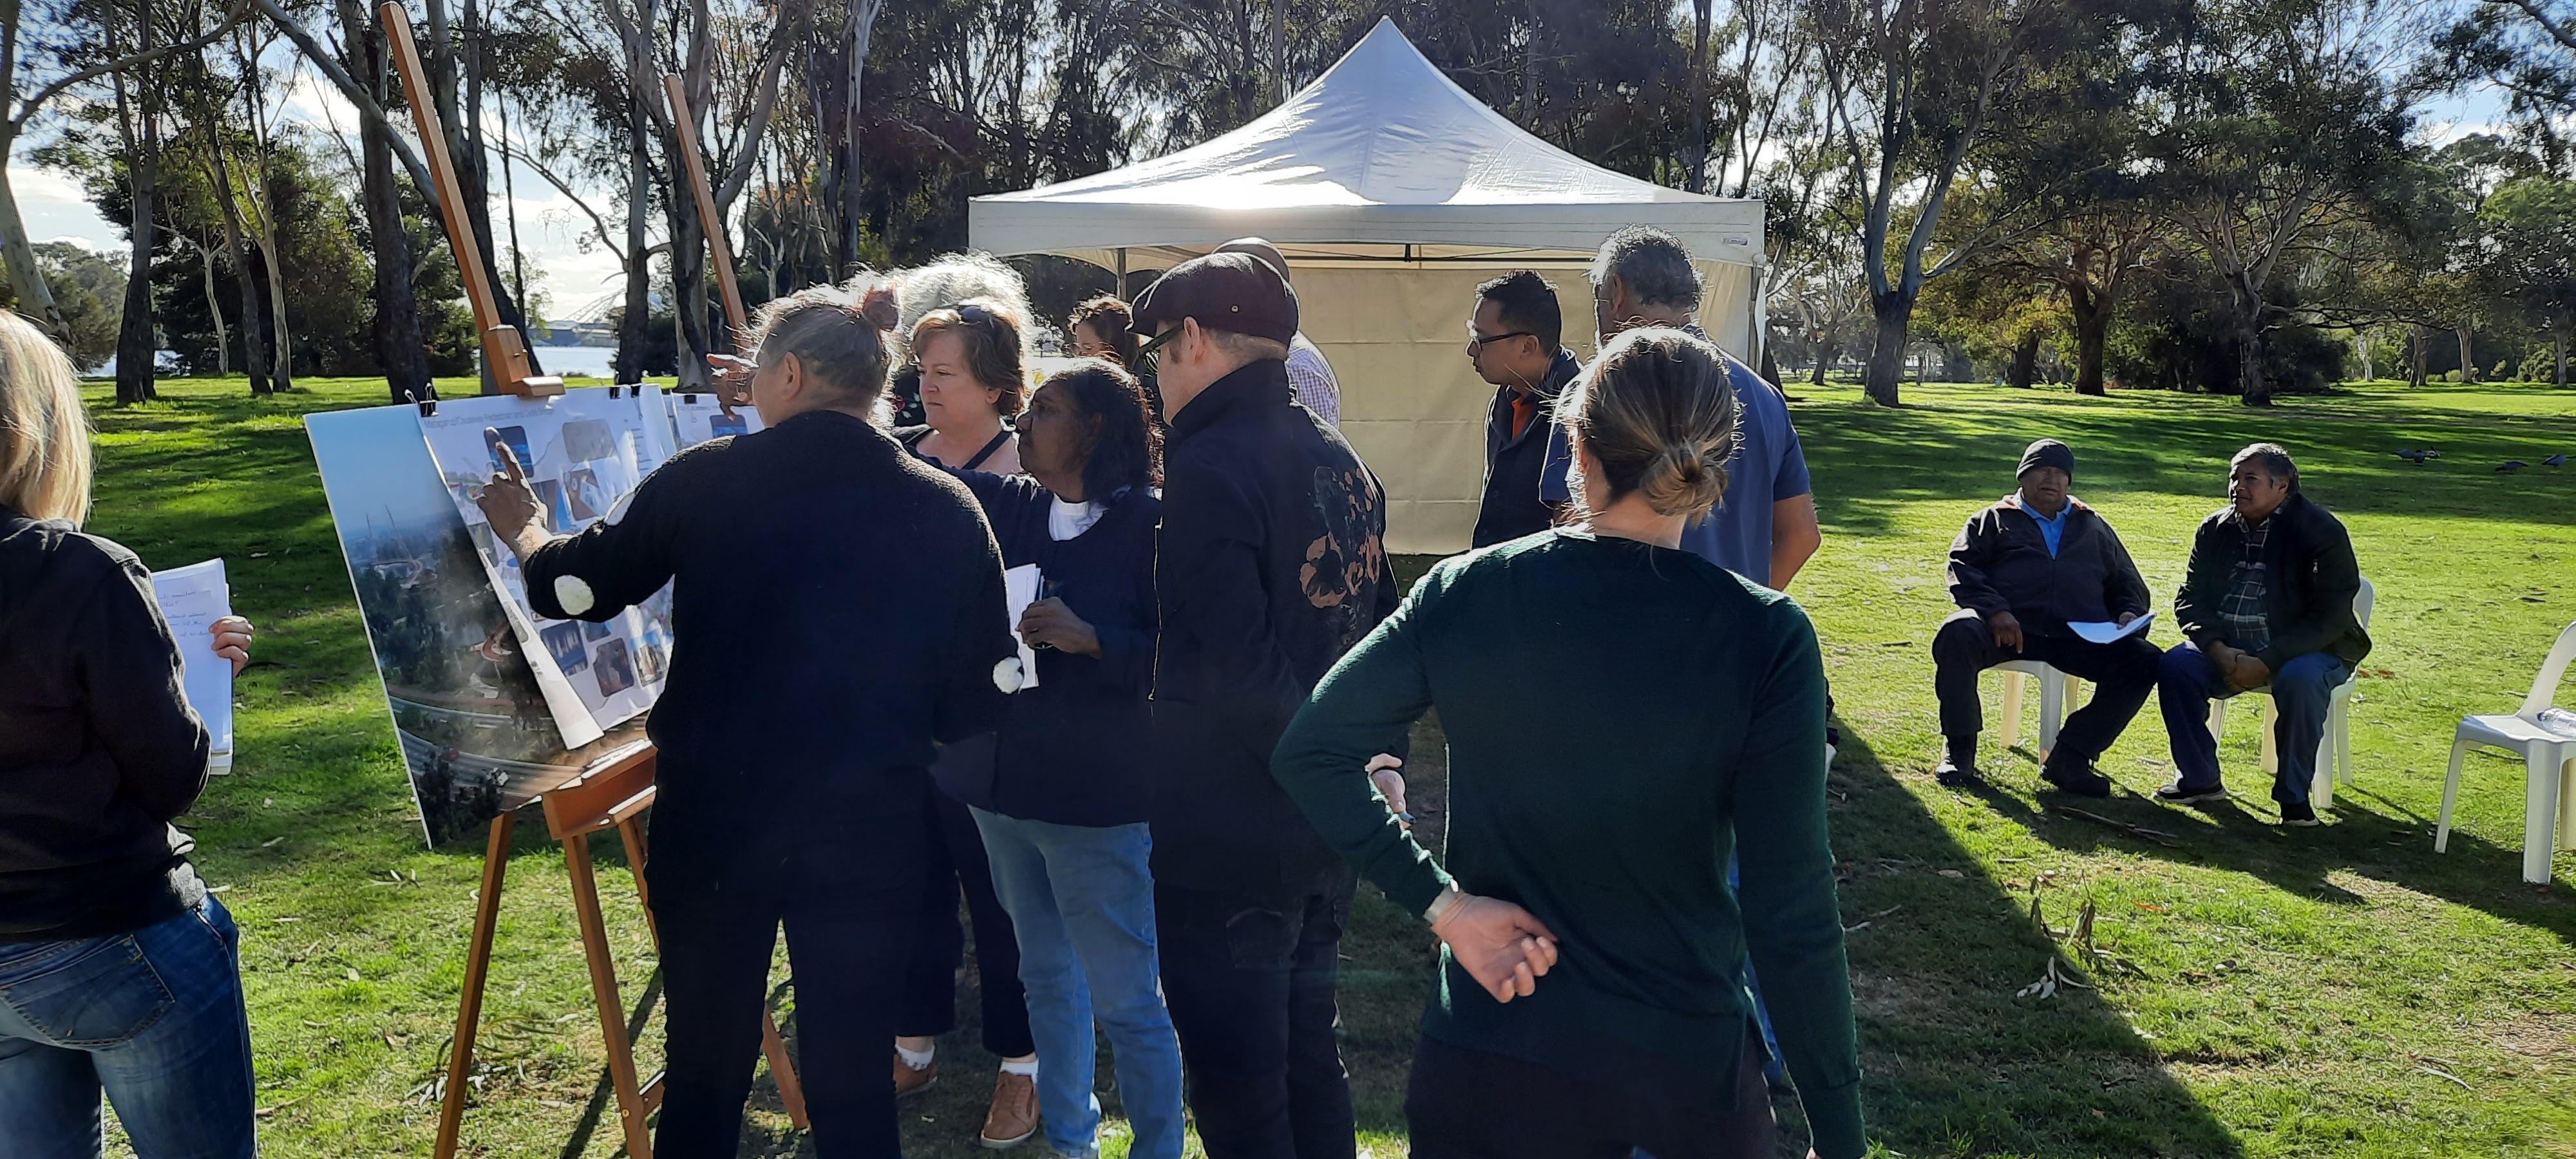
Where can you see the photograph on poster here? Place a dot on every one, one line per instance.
(697, 418)
(572, 493)
(475, 732)
(564, 643)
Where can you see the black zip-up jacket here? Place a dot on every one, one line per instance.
(2310, 580)
(1272, 563)
(1511, 507)
(99, 750)
(2000, 563)
(836, 606)
(1074, 750)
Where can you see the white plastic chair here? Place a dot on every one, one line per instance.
(2057, 695)
(2549, 762)
(2334, 749)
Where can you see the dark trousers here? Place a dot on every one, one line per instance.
(847, 948)
(1250, 987)
(929, 1006)
(1475, 1104)
(2123, 673)
(2303, 688)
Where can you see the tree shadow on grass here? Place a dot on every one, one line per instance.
(1954, 1062)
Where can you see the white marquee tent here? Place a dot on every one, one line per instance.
(1393, 192)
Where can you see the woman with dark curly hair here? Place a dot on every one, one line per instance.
(1061, 801)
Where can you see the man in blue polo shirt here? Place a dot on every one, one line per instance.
(1764, 527)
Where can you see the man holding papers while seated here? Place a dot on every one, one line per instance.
(2034, 575)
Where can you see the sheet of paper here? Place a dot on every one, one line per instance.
(2104, 631)
(584, 451)
(696, 418)
(192, 598)
(1020, 586)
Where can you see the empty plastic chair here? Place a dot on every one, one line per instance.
(2549, 765)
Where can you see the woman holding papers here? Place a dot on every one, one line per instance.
(1062, 801)
(118, 970)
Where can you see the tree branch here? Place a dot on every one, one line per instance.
(27, 108)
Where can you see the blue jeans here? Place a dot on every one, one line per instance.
(2187, 680)
(1082, 902)
(154, 1017)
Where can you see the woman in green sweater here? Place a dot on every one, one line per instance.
(1619, 713)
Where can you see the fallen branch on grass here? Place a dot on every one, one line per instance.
(2158, 836)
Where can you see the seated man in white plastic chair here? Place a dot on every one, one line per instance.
(2268, 599)
(2022, 571)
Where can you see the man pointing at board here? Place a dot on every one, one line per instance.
(841, 604)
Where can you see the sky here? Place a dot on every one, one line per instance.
(576, 283)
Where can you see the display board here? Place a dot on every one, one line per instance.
(696, 418)
(584, 452)
(477, 736)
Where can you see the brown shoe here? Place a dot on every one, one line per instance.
(909, 1080)
(1014, 1116)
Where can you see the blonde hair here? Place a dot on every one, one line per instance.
(44, 434)
(1659, 413)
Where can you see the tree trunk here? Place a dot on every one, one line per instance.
(254, 354)
(137, 344)
(1770, 366)
(2468, 358)
(26, 278)
(399, 347)
(2558, 348)
(2025, 361)
(257, 195)
(629, 363)
(215, 311)
(688, 279)
(1824, 361)
(2257, 390)
(2092, 330)
(2418, 336)
(1695, 178)
(1886, 371)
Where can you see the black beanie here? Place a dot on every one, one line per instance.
(2047, 453)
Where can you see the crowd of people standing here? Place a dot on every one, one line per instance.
(1156, 830)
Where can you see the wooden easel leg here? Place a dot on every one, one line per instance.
(791, 1091)
(469, 1005)
(603, 986)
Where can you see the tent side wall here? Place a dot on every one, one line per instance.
(1412, 406)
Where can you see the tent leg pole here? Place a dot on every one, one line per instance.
(1122, 273)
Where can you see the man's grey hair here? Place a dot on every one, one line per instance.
(2273, 458)
(1652, 264)
(953, 278)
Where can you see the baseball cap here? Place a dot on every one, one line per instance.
(1234, 292)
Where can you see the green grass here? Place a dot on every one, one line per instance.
(2296, 993)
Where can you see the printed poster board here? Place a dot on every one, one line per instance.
(477, 736)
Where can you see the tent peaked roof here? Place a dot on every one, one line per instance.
(1382, 150)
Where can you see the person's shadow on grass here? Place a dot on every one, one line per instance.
(1955, 1060)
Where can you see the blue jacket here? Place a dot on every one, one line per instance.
(1073, 749)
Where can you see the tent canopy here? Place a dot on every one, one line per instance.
(1393, 193)
(1382, 158)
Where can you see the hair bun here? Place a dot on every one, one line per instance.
(1682, 480)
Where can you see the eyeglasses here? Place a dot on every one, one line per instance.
(1477, 341)
(1157, 342)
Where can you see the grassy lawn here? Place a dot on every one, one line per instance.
(2342, 991)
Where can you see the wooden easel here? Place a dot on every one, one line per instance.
(612, 793)
(720, 251)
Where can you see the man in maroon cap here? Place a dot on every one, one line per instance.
(1271, 564)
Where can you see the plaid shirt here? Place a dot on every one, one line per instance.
(1311, 381)
(2241, 615)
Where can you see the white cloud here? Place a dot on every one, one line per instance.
(57, 208)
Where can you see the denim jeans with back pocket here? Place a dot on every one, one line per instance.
(154, 1018)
